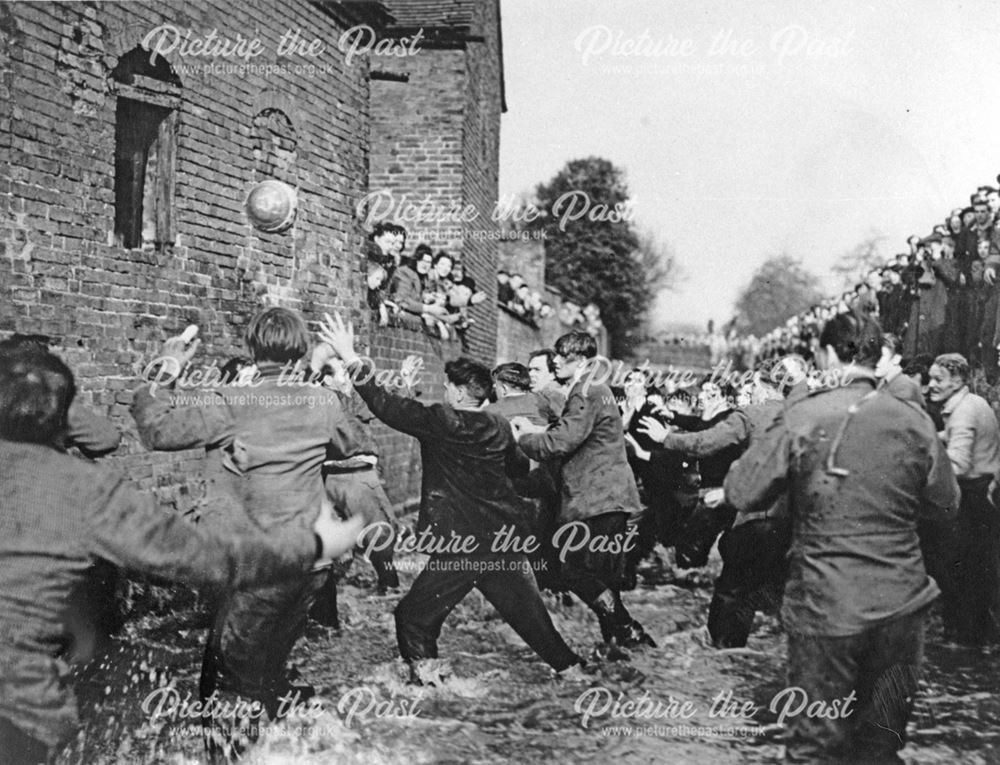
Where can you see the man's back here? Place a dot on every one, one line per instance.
(856, 483)
(266, 442)
(283, 434)
(467, 460)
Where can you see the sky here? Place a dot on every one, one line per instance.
(760, 127)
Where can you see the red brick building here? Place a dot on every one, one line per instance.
(123, 178)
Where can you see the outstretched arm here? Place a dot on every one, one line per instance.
(565, 436)
(128, 529)
(732, 431)
(402, 414)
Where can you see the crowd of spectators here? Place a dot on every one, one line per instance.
(422, 290)
(519, 299)
(516, 297)
(940, 296)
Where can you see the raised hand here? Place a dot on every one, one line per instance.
(409, 370)
(176, 353)
(339, 336)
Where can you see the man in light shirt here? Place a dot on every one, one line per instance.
(972, 439)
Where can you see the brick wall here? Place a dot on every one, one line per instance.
(480, 163)
(436, 137)
(109, 308)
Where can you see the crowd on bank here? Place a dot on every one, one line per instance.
(941, 295)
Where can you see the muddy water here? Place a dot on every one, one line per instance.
(682, 702)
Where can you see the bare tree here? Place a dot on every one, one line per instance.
(853, 265)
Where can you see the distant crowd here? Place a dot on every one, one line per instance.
(941, 296)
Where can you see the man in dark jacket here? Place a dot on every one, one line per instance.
(724, 434)
(754, 550)
(597, 489)
(860, 467)
(467, 503)
(58, 514)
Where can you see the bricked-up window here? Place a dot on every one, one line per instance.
(145, 150)
(275, 144)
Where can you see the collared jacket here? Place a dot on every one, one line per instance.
(273, 435)
(595, 477)
(860, 467)
(971, 435)
(468, 460)
(57, 515)
(760, 418)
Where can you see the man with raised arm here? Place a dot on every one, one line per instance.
(471, 520)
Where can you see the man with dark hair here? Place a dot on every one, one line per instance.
(719, 440)
(859, 468)
(405, 294)
(388, 241)
(266, 444)
(597, 488)
(972, 440)
(277, 335)
(889, 370)
(92, 435)
(512, 385)
(918, 369)
(542, 371)
(384, 254)
(467, 501)
(58, 514)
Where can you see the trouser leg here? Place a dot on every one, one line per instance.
(700, 533)
(976, 564)
(753, 573)
(824, 669)
(438, 588)
(244, 665)
(359, 492)
(325, 610)
(254, 633)
(515, 596)
(939, 547)
(880, 667)
(595, 577)
(889, 675)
